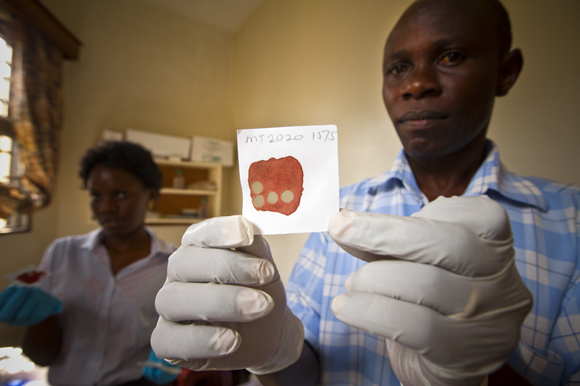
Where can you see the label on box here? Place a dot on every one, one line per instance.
(212, 150)
(161, 145)
(289, 177)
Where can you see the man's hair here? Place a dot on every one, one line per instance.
(493, 10)
(501, 20)
(128, 156)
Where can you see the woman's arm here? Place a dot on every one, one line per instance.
(42, 342)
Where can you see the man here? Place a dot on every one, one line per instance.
(449, 311)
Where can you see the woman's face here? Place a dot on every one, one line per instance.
(119, 200)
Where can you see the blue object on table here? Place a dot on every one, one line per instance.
(160, 371)
(27, 306)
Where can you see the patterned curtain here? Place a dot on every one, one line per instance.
(36, 108)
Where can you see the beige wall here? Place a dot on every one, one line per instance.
(294, 62)
(140, 67)
(301, 62)
(144, 68)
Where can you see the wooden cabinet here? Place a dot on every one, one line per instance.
(203, 181)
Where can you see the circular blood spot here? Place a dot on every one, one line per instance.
(257, 187)
(272, 198)
(287, 196)
(258, 201)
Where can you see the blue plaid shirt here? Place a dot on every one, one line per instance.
(545, 221)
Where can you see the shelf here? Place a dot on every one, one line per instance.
(186, 164)
(190, 192)
(173, 201)
(173, 221)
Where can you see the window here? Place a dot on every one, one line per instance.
(5, 73)
(10, 168)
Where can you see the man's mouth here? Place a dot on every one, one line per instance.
(420, 116)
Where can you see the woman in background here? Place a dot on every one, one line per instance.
(91, 319)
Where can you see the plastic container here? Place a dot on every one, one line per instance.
(178, 180)
(202, 211)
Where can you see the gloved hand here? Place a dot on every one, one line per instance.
(159, 371)
(27, 306)
(441, 286)
(223, 305)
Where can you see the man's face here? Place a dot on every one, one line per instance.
(440, 74)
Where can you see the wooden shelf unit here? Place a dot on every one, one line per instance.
(172, 201)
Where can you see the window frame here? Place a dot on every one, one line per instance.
(16, 223)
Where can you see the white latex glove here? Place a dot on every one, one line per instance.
(451, 302)
(223, 305)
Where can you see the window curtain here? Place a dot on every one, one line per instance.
(36, 109)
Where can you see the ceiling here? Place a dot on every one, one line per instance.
(227, 15)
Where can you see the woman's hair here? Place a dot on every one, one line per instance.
(128, 156)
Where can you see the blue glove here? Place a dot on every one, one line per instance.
(27, 306)
(159, 370)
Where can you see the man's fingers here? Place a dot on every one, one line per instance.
(202, 347)
(190, 341)
(220, 232)
(416, 327)
(374, 236)
(210, 302)
(422, 284)
(229, 345)
(194, 264)
(424, 330)
(483, 216)
(207, 255)
(259, 248)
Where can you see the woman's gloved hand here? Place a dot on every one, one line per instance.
(442, 287)
(223, 305)
(27, 306)
(159, 371)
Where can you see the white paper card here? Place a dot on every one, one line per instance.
(289, 177)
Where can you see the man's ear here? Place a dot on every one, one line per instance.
(510, 69)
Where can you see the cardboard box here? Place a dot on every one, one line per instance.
(160, 145)
(112, 135)
(212, 150)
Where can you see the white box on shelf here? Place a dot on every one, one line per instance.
(160, 145)
(112, 135)
(212, 150)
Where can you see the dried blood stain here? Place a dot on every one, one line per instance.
(276, 184)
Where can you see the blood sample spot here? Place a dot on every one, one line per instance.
(272, 198)
(282, 178)
(258, 201)
(287, 196)
(257, 187)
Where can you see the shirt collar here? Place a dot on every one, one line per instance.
(492, 176)
(158, 246)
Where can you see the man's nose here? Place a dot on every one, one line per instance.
(422, 82)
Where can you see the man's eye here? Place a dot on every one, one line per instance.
(451, 58)
(397, 69)
(95, 196)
